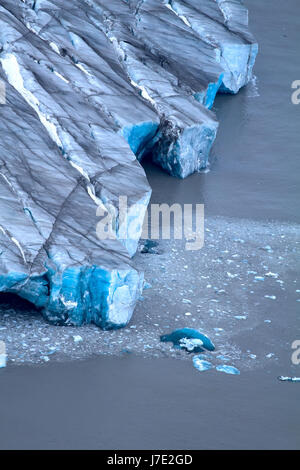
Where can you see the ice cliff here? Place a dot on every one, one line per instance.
(90, 88)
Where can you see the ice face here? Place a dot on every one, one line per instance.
(50, 253)
(223, 25)
(90, 90)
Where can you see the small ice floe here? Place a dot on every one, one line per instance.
(204, 170)
(2, 355)
(221, 357)
(252, 90)
(239, 240)
(282, 378)
(231, 276)
(259, 278)
(240, 317)
(45, 358)
(273, 275)
(191, 345)
(267, 248)
(252, 356)
(52, 350)
(267, 321)
(272, 297)
(188, 314)
(228, 369)
(270, 355)
(201, 364)
(188, 333)
(77, 338)
(186, 301)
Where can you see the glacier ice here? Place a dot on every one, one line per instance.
(2, 355)
(283, 378)
(201, 364)
(228, 369)
(177, 336)
(89, 91)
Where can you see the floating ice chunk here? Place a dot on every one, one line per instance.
(188, 333)
(191, 344)
(77, 338)
(45, 358)
(267, 248)
(282, 378)
(221, 357)
(201, 364)
(232, 276)
(2, 354)
(272, 297)
(228, 369)
(274, 275)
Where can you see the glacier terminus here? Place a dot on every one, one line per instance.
(89, 91)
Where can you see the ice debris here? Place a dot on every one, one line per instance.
(228, 369)
(188, 334)
(2, 355)
(201, 364)
(283, 378)
(77, 338)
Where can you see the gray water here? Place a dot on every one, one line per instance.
(145, 404)
(255, 162)
(137, 402)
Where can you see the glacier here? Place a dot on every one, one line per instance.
(90, 89)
